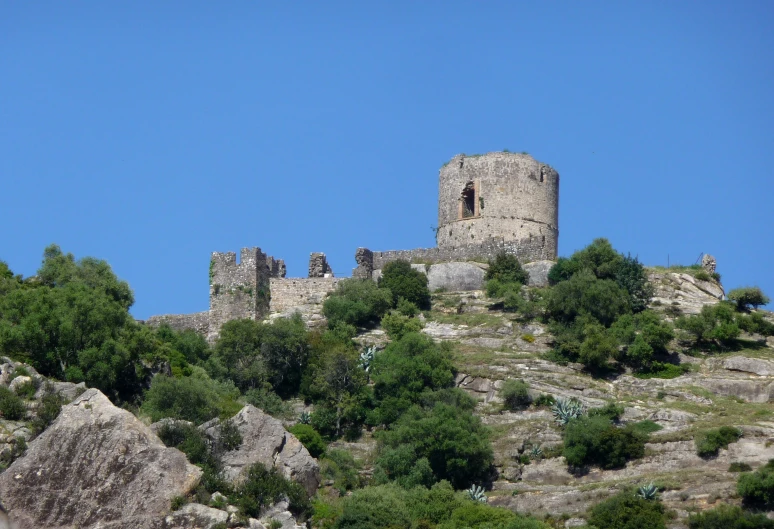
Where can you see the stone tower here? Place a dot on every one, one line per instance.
(498, 196)
(239, 290)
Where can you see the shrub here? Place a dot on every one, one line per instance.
(736, 466)
(309, 437)
(729, 517)
(405, 282)
(755, 323)
(26, 390)
(188, 398)
(397, 325)
(747, 297)
(269, 402)
(627, 511)
(262, 488)
(715, 323)
(594, 441)
(188, 439)
(48, 410)
(610, 411)
(647, 426)
(230, 438)
(453, 441)
(585, 294)
(757, 488)
(515, 393)
(358, 302)
(711, 441)
(177, 502)
(12, 407)
(506, 268)
(405, 369)
(544, 399)
(341, 467)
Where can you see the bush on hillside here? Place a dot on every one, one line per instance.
(263, 488)
(515, 394)
(398, 325)
(357, 302)
(714, 324)
(627, 510)
(190, 399)
(586, 295)
(729, 517)
(755, 323)
(506, 268)
(309, 437)
(405, 370)
(709, 443)
(405, 282)
(747, 297)
(12, 407)
(452, 440)
(757, 488)
(594, 441)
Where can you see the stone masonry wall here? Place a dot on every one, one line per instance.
(516, 198)
(198, 321)
(526, 250)
(290, 293)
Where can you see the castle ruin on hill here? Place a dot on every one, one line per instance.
(487, 204)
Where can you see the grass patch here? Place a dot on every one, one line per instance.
(665, 370)
(647, 426)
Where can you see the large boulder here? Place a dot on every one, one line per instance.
(96, 466)
(455, 277)
(265, 440)
(538, 272)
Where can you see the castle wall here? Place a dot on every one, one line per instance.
(198, 321)
(526, 250)
(291, 293)
(516, 199)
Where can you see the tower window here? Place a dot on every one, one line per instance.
(468, 201)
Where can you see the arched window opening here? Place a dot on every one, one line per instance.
(468, 200)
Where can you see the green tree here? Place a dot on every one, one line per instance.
(594, 441)
(405, 282)
(585, 294)
(451, 439)
(747, 297)
(515, 394)
(195, 399)
(757, 488)
(357, 302)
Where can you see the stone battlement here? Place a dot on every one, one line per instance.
(487, 204)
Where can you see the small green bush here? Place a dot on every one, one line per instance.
(610, 411)
(262, 488)
(12, 407)
(506, 268)
(269, 402)
(715, 323)
(177, 502)
(628, 511)
(188, 398)
(405, 282)
(341, 467)
(729, 517)
(757, 488)
(27, 390)
(755, 323)
(48, 410)
(709, 443)
(594, 441)
(647, 427)
(747, 297)
(515, 394)
(398, 325)
(188, 439)
(544, 400)
(309, 437)
(736, 466)
(230, 437)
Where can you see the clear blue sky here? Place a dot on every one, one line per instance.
(152, 133)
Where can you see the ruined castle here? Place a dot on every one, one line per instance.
(487, 204)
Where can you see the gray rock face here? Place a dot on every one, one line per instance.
(538, 273)
(683, 291)
(749, 365)
(194, 515)
(96, 466)
(265, 440)
(455, 276)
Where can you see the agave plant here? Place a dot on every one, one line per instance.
(648, 492)
(476, 493)
(566, 409)
(536, 452)
(305, 417)
(367, 357)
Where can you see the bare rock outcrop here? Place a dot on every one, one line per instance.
(683, 291)
(96, 466)
(265, 440)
